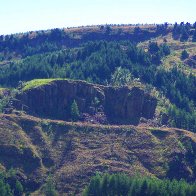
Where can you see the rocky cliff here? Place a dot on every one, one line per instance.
(121, 105)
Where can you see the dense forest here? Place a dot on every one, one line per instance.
(121, 184)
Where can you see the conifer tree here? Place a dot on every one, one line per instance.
(74, 111)
(184, 54)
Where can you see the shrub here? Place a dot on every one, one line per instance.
(184, 54)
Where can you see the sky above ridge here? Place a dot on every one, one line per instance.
(27, 15)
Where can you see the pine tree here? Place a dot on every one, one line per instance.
(184, 54)
(49, 188)
(18, 188)
(74, 111)
(184, 36)
(194, 36)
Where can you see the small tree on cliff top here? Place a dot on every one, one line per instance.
(75, 114)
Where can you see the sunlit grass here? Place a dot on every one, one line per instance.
(38, 82)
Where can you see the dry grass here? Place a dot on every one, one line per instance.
(73, 152)
(173, 60)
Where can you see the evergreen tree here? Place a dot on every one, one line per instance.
(153, 47)
(194, 36)
(184, 36)
(121, 77)
(119, 184)
(49, 188)
(74, 111)
(184, 54)
(18, 189)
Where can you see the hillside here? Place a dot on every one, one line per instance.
(73, 152)
(150, 54)
(106, 99)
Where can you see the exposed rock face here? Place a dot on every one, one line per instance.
(121, 105)
(128, 105)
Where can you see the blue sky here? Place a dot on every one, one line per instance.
(26, 15)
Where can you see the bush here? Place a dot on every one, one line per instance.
(121, 77)
(184, 55)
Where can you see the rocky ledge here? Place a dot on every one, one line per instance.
(120, 105)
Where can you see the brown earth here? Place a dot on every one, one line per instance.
(73, 152)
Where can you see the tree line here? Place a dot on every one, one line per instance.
(121, 184)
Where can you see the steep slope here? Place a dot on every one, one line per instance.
(73, 152)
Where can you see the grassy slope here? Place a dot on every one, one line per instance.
(176, 48)
(37, 82)
(73, 152)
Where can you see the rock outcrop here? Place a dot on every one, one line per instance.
(121, 105)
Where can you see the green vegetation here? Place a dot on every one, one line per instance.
(34, 59)
(106, 62)
(120, 184)
(49, 188)
(9, 185)
(184, 54)
(183, 31)
(75, 114)
(3, 103)
(2, 90)
(121, 76)
(37, 82)
(5, 189)
(124, 63)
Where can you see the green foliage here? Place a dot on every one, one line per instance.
(182, 31)
(9, 185)
(121, 77)
(35, 83)
(75, 114)
(6, 97)
(49, 187)
(121, 184)
(180, 90)
(113, 63)
(5, 189)
(89, 62)
(3, 103)
(194, 36)
(157, 52)
(18, 189)
(181, 119)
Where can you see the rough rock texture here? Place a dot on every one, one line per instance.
(121, 105)
(74, 152)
